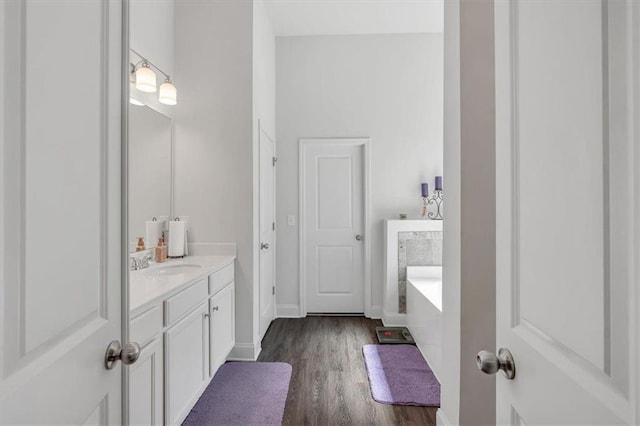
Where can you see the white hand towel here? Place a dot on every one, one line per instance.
(154, 232)
(176, 239)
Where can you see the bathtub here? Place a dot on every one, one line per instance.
(424, 312)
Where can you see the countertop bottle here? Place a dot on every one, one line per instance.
(140, 246)
(161, 251)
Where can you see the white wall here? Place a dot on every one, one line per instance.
(468, 396)
(264, 70)
(386, 87)
(151, 34)
(214, 138)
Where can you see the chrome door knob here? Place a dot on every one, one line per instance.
(358, 237)
(489, 363)
(264, 246)
(128, 354)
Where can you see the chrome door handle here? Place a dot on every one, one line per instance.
(358, 237)
(489, 363)
(128, 354)
(264, 246)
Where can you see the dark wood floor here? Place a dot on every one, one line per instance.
(329, 384)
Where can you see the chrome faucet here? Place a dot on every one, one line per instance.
(140, 263)
(134, 264)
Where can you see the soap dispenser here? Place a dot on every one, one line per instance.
(161, 251)
(140, 246)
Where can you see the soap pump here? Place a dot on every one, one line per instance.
(161, 251)
(140, 246)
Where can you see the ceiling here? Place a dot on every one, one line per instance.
(333, 17)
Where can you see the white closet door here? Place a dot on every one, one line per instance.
(267, 230)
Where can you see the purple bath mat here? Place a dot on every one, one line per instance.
(243, 393)
(398, 374)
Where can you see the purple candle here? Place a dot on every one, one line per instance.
(438, 183)
(425, 189)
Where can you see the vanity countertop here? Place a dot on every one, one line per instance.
(148, 286)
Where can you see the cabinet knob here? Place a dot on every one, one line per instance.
(215, 308)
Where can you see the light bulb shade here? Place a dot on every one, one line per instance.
(145, 79)
(168, 93)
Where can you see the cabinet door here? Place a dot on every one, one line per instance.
(145, 386)
(186, 363)
(222, 328)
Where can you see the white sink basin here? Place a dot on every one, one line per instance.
(164, 271)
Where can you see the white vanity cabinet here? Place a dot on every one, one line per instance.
(221, 326)
(186, 333)
(186, 342)
(146, 386)
(146, 376)
(186, 363)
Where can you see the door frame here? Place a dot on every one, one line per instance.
(124, 203)
(365, 143)
(634, 295)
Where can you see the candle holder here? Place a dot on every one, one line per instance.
(425, 203)
(436, 199)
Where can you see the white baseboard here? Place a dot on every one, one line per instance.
(244, 352)
(394, 319)
(441, 419)
(288, 311)
(375, 312)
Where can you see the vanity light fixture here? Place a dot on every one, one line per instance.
(145, 78)
(168, 93)
(145, 81)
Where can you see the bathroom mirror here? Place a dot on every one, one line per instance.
(150, 169)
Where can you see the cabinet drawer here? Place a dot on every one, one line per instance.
(146, 325)
(178, 305)
(221, 278)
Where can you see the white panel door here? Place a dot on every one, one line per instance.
(564, 211)
(267, 230)
(60, 207)
(332, 178)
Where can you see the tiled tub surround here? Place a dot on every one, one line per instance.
(407, 243)
(422, 248)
